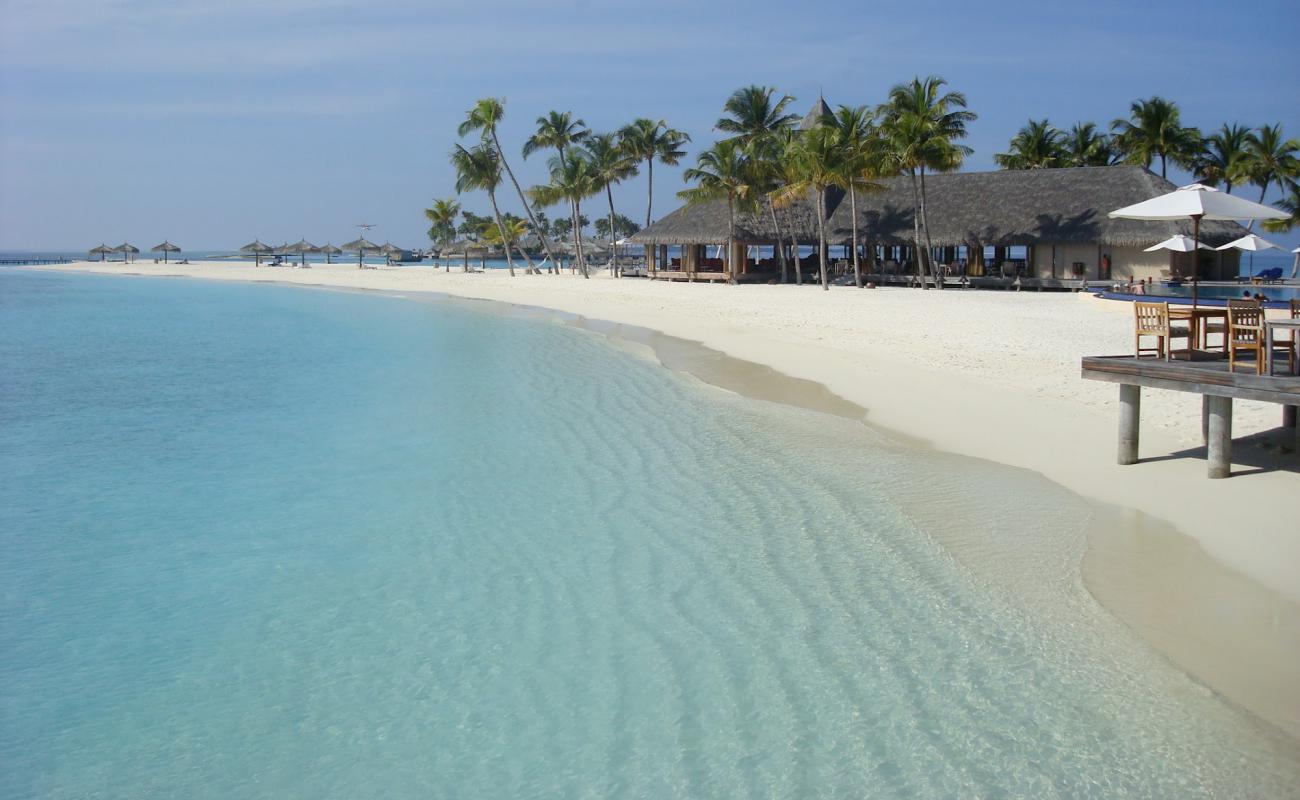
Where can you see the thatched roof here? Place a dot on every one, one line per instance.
(361, 245)
(1047, 206)
(388, 248)
(816, 114)
(103, 249)
(257, 247)
(125, 248)
(330, 249)
(165, 247)
(300, 247)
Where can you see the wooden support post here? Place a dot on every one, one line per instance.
(1205, 419)
(1288, 416)
(1130, 407)
(1219, 444)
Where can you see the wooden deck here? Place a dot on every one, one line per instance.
(1205, 377)
(1210, 378)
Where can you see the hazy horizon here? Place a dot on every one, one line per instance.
(210, 126)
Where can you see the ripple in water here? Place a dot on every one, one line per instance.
(268, 542)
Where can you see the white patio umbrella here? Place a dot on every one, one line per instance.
(1197, 202)
(1251, 244)
(1296, 264)
(1179, 243)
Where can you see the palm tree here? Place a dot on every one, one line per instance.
(611, 164)
(1038, 145)
(485, 117)
(442, 222)
(721, 172)
(650, 141)
(751, 113)
(921, 124)
(479, 168)
(560, 131)
(1085, 146)
(863, 160)
(1270, 159)
(818, 160)
(573, 180)
(1289, 202)
(1224, 157)
(1155, 130)
(755, 119)
(505, 234)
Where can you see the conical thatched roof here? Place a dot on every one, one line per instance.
(390, 249)
(165, 247)
(256, 247)
(330, 249)
(816, 114)
(103, 249)
(463, 247)
(1048, 206)
(125, 247)
(361, 245)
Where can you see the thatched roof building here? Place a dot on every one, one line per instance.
(1056, 213)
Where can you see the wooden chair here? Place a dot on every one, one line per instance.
(1152, 319)
(1245, 332)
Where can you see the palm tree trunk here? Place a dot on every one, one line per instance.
(929, 246)
(853, 209)
(821, 236)
(578, 255)
(798, 264)
(650, 188)
(613, 237)
(916, 229)
(779, 248)
(501, 228)
(1263, 190)
(527, 208)
(731, 237)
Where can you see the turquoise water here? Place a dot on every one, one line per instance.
(264, 541)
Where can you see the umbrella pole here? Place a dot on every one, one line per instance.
(1196, 253)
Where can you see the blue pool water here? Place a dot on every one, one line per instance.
(1275, 295)
(263, 541)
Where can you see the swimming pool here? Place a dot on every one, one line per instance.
(1276, 296)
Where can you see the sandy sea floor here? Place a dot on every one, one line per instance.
(1207, 571)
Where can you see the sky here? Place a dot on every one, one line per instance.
(212, 122)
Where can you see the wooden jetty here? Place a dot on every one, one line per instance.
(1211, 379)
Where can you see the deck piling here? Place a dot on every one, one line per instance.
(1130, 408)
(1219, 445)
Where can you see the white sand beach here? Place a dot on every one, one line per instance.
(992, 375)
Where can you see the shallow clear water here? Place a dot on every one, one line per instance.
(262, 541)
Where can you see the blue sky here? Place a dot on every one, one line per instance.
(210, 122)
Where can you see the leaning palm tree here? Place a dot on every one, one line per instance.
(611, 164)
(557, 130)
(722, 173)
(1153, 130)
(479, 168)
(651, 141)
(1085, 146)
(1038, 145)
(921, 124)
(819, 162)
(1224, 157)
(442, 222)
(863, 154)
(485, 117)
(572, 180)
(755, 116)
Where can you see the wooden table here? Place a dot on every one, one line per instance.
(1195, 316)
(1270, 327)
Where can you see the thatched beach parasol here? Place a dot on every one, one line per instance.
(361, 247)
(102, 251)
(330, 250)
(164, 248)
(127, 250)
(300, 248)
(256, 249)
(390, 250)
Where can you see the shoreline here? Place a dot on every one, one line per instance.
(1223, 613)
